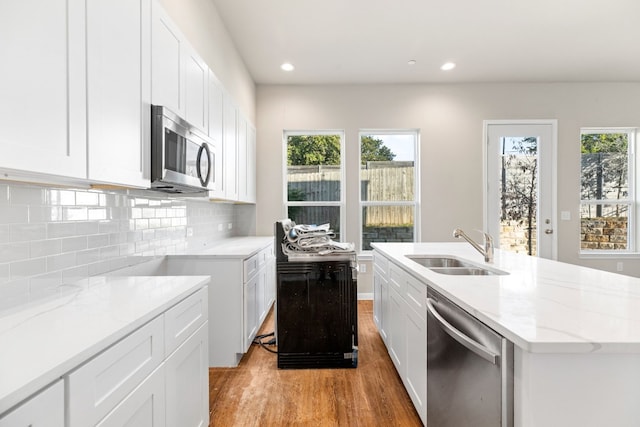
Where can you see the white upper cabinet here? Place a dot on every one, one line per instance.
(167, 65)
(251, 164)
(42, 82)
(119, 91)
(196, 86)
(242, 158)
(216, 108)
(230, 149)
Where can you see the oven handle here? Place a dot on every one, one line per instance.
(205, 181)
(470, 344)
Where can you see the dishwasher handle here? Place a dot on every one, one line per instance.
(469, 343)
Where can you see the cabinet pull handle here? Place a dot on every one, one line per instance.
(454, 333)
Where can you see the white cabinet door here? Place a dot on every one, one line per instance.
(196, 75)
(42, 82)
(251, 164)
(242, 158)
(144, 407)
(250, 310)
(377, 299)
(167, 64)
(416, 360)
(396, 340)
(113, 374)
(119, 91)
(215, 109)
(45, 409)
(187, 382)
(230, 149)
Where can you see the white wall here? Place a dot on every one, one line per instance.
(201, 24)
(450, 121)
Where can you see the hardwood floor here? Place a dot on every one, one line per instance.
(257, 393)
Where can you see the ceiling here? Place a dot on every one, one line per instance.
(371, 41)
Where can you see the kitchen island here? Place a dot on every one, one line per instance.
(575, 330)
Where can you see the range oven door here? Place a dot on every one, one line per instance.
(182, 158)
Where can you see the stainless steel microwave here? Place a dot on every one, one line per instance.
(182, 157)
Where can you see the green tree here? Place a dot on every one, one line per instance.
(604, 167)
(304, 150)
(373, 150)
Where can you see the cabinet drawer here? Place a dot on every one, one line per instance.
(380, 264)
(397, 279)
(184, 319)
(416, 294)
(98, 386)
(251, 267)
(45, 409)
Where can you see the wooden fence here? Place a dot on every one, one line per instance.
(380, 181)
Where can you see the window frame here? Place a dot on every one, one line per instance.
(631, 201)
(341, 204)
(416, 177)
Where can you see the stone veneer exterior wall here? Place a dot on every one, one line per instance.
(604, 233)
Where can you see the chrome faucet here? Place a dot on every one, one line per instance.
(487, 251)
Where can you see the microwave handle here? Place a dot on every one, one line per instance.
(204, 181)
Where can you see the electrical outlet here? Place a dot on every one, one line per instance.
(230, 225)
(362, 267)
(189, 231)
(619, 266)
(219, 227)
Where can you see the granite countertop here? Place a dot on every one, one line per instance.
(41, 342)
(543, 306)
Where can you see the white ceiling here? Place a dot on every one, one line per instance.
(370, 41)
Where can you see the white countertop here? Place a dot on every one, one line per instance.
(542, 306)
(235, 247)
(41, 342)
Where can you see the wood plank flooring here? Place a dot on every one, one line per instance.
(257, 393)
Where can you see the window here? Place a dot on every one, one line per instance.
(388, 186)
(314, 178)
(607, 200)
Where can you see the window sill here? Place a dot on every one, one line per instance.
(609, 255)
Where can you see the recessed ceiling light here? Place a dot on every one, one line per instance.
(448, 66)
(287, 67)
(411, 62)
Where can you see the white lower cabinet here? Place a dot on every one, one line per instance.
(400, 314)
(144, 407)
(113, 374)
(45, 409)
(156, 376)
(187, 382)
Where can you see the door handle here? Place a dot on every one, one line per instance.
(548, 231)
(454, 333)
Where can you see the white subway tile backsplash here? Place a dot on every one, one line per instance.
(27, 232)
(86, 198)
(14, 214)
(97, 241)
(13, 252)
(40, 248)
(73, 244)
(27, 268)
(75, 214)
(27, 196)
(60, 229)
(62, 197)
(60, 262)
(51, 237)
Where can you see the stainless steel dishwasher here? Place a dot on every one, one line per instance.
(469, 369)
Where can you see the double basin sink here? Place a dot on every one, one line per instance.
(453, 266)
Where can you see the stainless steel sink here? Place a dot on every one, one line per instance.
(452, 266)
(437, 261)
(463, 271)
